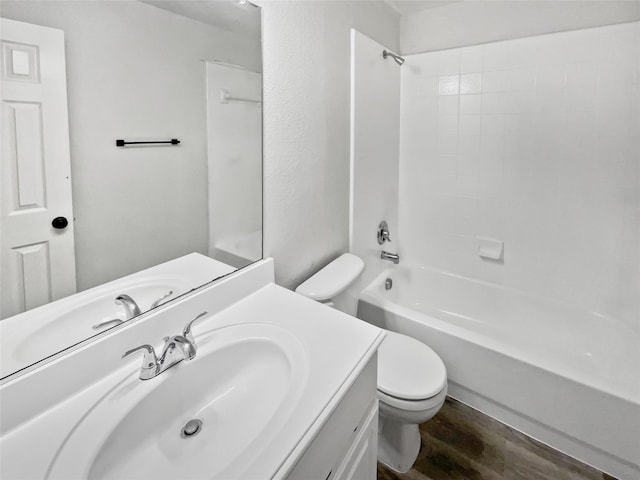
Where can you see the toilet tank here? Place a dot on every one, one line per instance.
(329, 285)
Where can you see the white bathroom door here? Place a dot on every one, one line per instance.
(37, 261)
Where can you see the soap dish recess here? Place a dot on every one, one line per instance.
(491, 248)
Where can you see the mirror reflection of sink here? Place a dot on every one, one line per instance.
(46, 330)
(242, 386)
(73, 320)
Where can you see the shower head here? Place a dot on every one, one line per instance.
(397, 58)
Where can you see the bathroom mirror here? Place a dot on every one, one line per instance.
(87, 216)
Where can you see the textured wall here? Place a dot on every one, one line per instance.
(471, 22)
(306, 127)
(533, 141)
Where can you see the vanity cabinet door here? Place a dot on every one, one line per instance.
(361, 460)
(334, 442)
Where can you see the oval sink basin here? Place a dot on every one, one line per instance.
(240, 390)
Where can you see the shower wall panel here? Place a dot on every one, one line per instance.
(534, 142)
(374, 164)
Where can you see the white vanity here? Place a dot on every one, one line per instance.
(280, 387)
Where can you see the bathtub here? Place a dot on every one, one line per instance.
(567, 377)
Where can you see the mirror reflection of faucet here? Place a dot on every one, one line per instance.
(131, 308)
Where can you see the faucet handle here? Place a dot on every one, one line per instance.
(383, 233)
(149, 361)
(159, 301)
(115, 321)
(187, 328)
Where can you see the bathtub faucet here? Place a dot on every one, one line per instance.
(392, 257)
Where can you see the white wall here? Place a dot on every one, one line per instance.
(472, 22)
(375, 136)
(135, 71)
(306, 127)
(533, 141)
(234, 137)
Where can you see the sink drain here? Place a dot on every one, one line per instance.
(191, 428)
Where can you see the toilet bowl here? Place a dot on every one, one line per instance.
(412, 379)
(412, 386)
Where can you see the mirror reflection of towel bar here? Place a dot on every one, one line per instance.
(123, 143)
(225, 97)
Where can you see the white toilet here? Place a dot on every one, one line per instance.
(412, 380)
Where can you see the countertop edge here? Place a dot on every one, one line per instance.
(325, 413)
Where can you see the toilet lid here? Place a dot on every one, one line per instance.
(333, 279)
(408, 369)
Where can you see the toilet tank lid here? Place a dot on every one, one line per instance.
(333, 279)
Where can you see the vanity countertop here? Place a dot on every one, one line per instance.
(335, 347)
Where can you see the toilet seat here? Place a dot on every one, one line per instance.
(414, 405)
(409, 372)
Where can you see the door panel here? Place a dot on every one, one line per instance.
(37, 261)
(31, 267)
(24, 138)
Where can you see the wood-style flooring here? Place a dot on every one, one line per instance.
(461, 443)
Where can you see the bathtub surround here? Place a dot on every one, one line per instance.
(518, 183)
(460, 24)
(306, 130)
(465, 444)
(533, 142)
(108, 181)
(375, 135)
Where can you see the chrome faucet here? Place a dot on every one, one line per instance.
(383, 236)
(383, 233)
(392, 257)
(175, 349)
(131, 308)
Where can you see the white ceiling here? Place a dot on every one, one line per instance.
(405, 7)
(231, 15)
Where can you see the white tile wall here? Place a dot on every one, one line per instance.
(536, 142)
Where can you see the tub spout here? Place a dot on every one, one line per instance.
(392, 257)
